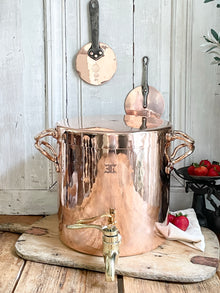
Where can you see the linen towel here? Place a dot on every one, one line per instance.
(192, 237)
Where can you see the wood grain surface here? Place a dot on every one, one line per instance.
(17, 224)
(12, 219)
(21, 276)
(48, 278)
(168, 262)
(143, 286)
(10, 264)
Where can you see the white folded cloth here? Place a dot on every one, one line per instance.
(192, 237)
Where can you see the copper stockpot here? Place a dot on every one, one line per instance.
(116, 162)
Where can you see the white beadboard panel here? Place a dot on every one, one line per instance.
(55, 51)
(205, 91)
(179, 52)
(194, 91)
(73, 44)
(21, 94)
(152, 20)
(116, 30)
(26, 202)
(179, 199)
(39, 85)
(180, 69)
(33, 90)
(164, 55)
(55, 71)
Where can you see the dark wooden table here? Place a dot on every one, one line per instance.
(19, 275)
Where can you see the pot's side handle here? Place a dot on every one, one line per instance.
(187, 142)
(39, 142)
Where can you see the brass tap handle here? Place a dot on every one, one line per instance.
(80, 226)
(111, 216)
(92, 219)
(111, 240)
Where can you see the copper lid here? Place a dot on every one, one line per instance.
(114, 123)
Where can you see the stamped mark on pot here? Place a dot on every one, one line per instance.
(110, 168)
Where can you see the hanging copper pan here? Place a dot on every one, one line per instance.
(95, 62)
(144, 100)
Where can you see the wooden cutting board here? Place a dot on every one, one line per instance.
(171, 261)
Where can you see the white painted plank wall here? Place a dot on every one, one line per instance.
(39, 84)
(194, 85)
(25, 174)
(22, 94)
(116, 29)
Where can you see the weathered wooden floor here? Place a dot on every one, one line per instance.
(18, 275)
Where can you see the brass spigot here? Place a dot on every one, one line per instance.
(111, 240)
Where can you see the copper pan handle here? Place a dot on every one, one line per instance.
(145, 86)
(187, 142)
(95, 52)
(52, 156)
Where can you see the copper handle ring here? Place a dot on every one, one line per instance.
(52, 156)
(188, 142)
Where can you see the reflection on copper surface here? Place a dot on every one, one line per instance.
(134, 121)
(98, 71)
(127, 178)
(126, 171)
(134, 102)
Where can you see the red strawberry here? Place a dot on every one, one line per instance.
(216, 167)
(213, 172)
(190, 170)
(201, 171)
(181, 222)
(205, 163)
(170, 218)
